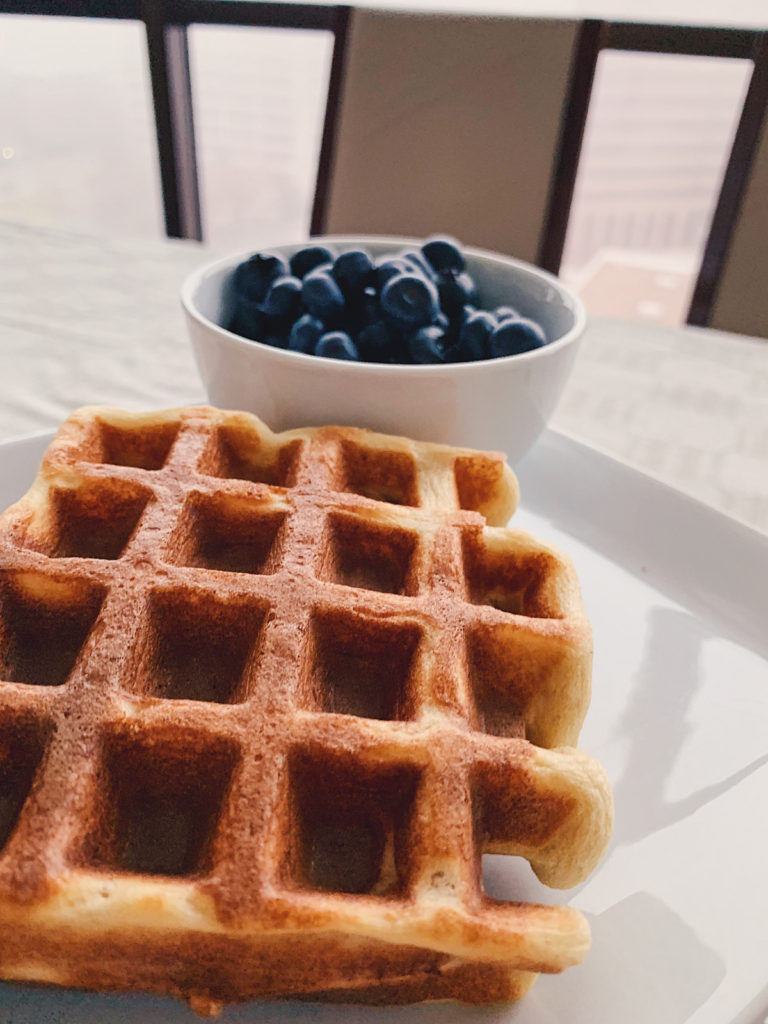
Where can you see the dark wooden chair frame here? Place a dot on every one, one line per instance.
(166, 23)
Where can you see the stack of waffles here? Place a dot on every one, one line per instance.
(267, 699)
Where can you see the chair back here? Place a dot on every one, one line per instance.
(450, 124)
(741, 299)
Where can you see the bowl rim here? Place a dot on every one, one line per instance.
(193, 280)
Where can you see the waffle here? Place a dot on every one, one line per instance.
(265, 701)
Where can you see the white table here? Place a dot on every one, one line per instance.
(675, 596)
(86, 320)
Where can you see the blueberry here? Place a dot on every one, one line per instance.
(308, 258)
(374, 341)
(305, 334)
(444, 254)
(390, 267)
(506, 313)
(248, 320)
(283, 299)
(415, 305)
(253, 276)
(427, 345)
(336, 345)
(370, 306)
(399, 351)
(353, 271)
(416, 262)
(474, 334)
(322, 295)
(451, 327)
(361, 310)
(456, 291)
(512, 337)
(410, 300)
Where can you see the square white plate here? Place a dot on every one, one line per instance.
(678, 598)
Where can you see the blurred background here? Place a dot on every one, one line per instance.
(78, 150)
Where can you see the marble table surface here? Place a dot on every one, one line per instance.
(87, 320)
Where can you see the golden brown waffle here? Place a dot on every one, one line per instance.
(264, 702)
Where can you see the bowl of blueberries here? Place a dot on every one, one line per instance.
(423, 338)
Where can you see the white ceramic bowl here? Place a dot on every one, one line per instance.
(495, 404)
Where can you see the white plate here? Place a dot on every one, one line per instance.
(677, 597)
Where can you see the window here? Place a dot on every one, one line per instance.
(657, 140)
(259, 98)
(77, 138)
